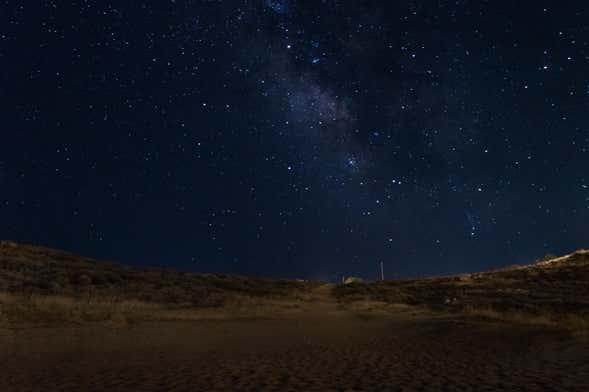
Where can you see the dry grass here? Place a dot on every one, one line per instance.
(47, 286)
(49, 310)
(553, 291)
(571, 322)
(37, 272)
(44, 285)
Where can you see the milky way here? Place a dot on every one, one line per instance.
(294, 139)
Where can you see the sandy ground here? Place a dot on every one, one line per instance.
(316, 351)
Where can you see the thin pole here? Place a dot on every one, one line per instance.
(381, 271)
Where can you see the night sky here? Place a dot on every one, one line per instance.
(297, 138)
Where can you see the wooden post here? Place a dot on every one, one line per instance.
(381, 271)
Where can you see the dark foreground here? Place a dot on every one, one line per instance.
(305, 354)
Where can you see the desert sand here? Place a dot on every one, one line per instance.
(322, 350)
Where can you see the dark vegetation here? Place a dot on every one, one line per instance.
(41, 283)
(33, 271)
(553, 287)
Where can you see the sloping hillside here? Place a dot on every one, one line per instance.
(559, 285)
(26, 269)
(33, 277)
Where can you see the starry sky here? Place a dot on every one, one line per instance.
(292, 138)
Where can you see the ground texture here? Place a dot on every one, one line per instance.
(315, 353)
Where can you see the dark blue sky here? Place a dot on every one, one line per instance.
(297, 138)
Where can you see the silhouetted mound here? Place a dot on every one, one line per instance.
(553, 287)
(34, 270)
(39, 284)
